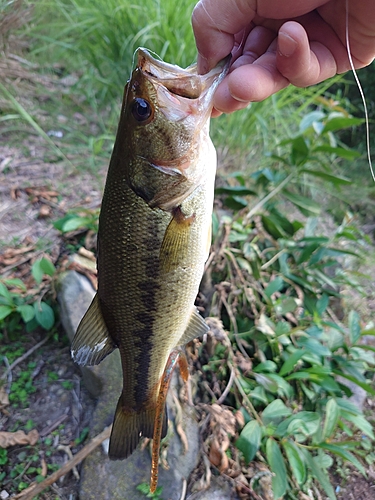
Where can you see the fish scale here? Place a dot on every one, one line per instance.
(153, 240)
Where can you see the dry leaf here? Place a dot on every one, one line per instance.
(4, 399)
(13, 438)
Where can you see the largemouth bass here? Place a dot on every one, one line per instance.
(154, 237)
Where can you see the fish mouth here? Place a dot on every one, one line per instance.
(181, 87)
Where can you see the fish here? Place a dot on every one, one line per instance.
(154, 238)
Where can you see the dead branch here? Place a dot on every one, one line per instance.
(36, 488)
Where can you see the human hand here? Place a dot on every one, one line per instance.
(275, 43)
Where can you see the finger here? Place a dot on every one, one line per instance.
(249, 83)
(215, 24)
(257, 43)
(302, 62)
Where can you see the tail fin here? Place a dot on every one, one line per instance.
(129, 427)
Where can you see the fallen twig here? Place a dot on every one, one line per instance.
(36, 488)
(24, 356)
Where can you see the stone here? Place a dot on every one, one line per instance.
(102, 478)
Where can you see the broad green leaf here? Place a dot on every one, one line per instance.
(235, 202)
(275, 411)
(345, 454)
(354, 327)
(295, 460)
(273, 227)
(305, 423)
(4, 292)
(339, 123)
(267, 382)
(300, 150)
(266, 366)
(249, 440)
(37, 272)
(314, 346)
(285, 306)
(332, 418)
(44, 315)
(306, 252)
(27, 312)
(360, 422)
(16, 282)
(291, 362)
(310, 118)
(75, 223)
(47, 266)
(319, 474)
(302, 202)
(5, 311)
(274, 286)
(277, 466)
(348, 154)
(322, 304)
(366, 387)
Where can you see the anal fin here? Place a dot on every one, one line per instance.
(92, 343)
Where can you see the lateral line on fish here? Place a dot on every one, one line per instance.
(359, 88)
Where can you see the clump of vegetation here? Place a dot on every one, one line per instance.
(291, 350)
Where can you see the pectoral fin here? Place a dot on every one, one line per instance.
(92, 343)
(196, 327)
(175, 246)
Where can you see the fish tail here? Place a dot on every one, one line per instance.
(129, 427)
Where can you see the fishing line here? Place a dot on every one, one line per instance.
(359, 88)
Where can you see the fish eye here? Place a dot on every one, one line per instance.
(141, 109)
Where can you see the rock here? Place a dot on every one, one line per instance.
(101, 478)
(220, 489)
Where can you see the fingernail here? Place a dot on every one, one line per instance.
(286, 44)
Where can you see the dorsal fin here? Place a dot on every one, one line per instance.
(92, 343)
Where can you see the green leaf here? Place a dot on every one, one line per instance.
(319, 474)
(44, 315)
(310, 118)
(274, 286)
(322, 304)
(285, 306)
(277, 466)
(314, 346)
(332, 418)
(291, 362)
(235, 202)
(235, 190)
(4, 292)
(360, 422)
(300, 150)
(47, 266)
(354, 327)
(75, 223)
(348, 154)
(345, 454)
(267, 382)
(366, 387)
(295, 461)
(16, 282)
(275, 411)
(27, 312)
(302, 202)
(339, 123)
(249, 440)
(303, 424)
(5, 311)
